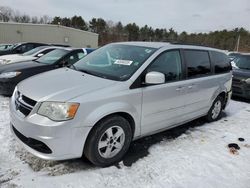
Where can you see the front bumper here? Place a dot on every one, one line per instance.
(39, 135)
(241, 89)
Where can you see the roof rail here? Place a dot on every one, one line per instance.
(193, 44)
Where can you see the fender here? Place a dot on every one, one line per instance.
(224, 86)
(114, 107)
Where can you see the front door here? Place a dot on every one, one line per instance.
(163, 104)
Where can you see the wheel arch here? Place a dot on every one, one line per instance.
(222, 92)
(125, 115)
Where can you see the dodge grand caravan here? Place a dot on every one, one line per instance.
(118, 93)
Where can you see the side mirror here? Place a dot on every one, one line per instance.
(40, 55)
(155, 78)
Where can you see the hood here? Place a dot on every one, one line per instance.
(243, 73)
(11, 56)
(6, 59)
(19, 66)
(61, 85)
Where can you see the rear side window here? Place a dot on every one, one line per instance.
(197, 62)
(221, 62)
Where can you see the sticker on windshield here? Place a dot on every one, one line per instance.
(148, 51)
(123, 62)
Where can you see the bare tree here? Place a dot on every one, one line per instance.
(46, 19)
(16, 16)
(25, 18)
(34, 19)
(5, 13)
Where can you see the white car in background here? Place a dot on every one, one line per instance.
(27, 56)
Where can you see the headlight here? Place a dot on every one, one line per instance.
(58, 111)
(247, 81)
(9, 74)
(4, 61)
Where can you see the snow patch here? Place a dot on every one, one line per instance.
(193, 155)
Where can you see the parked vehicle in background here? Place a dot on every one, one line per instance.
(21, 48)
(116, 94)
(233, 55)
(12, 74)
(241, 76)
(88, 50)
(62, 45)
(5, 46)
(27, 56)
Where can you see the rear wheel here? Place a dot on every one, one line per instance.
(215, 111)
(108, 141)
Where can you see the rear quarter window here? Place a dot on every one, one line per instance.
(221, 62)
(197, 63)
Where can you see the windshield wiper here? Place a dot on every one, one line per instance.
(72, 66)
(87, 72)
(92, 73)
(36, 61)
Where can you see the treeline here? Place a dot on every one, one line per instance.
(7, 14)
(111, 32)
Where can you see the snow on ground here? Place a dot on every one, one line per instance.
(194, 155)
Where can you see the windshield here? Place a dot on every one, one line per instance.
(114, 61)
(52, 57)
(15, 45)
(35, 50)
(243, 62)
(4, 47)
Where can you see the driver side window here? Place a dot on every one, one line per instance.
(168, 63)
(73, 58)
(24, 48)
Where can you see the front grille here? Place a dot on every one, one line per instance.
(236, 80)
(24, 104)
(237, 90)
(33, 143)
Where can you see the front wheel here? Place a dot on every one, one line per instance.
(215, 111)
(108, 141)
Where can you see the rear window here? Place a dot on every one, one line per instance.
(221, 62)
(198, 63)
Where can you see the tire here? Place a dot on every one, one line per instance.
(215, 111)
(108, 141)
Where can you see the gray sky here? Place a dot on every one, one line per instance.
(182, 15)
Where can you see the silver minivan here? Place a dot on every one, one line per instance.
(118, 93)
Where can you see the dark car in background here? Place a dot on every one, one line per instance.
(27, 56)
(241, 76)
(233, 55)
(12, 74)
(21, 48)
